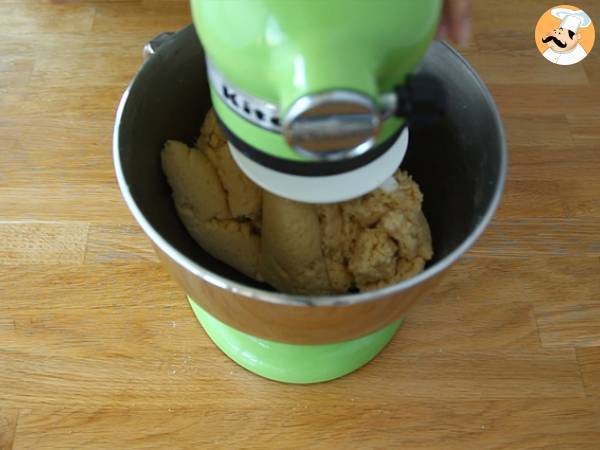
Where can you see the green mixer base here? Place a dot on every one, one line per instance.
(294, 363)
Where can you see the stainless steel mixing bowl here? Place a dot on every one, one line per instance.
(459, 162)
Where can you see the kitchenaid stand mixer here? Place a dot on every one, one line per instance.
(315, 96)
(316, 99)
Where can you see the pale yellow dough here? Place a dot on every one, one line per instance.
(299, 248)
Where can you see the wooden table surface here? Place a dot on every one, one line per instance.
(99, 349)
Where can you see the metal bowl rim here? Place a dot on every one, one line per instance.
(305, 300)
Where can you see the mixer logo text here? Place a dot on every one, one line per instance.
(259, 112)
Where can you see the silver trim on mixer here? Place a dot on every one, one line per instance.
(332, 125)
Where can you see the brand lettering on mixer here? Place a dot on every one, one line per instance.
(256, 110)
(247, 108)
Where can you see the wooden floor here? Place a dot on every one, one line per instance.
(98, 348)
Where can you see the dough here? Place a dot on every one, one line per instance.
(220, 213)
(292, 259)
(299, 248)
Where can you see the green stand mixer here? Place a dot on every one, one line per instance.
(314, 98)
(317, 100)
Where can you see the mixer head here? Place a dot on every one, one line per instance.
(315, 97)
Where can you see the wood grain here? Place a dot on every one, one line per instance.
(522, 98)
(8, 426)
(118, 242)
(99, 349)
(507, 68)
(589, 361)
(42, 243)
(416, 424)
(532, 236)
